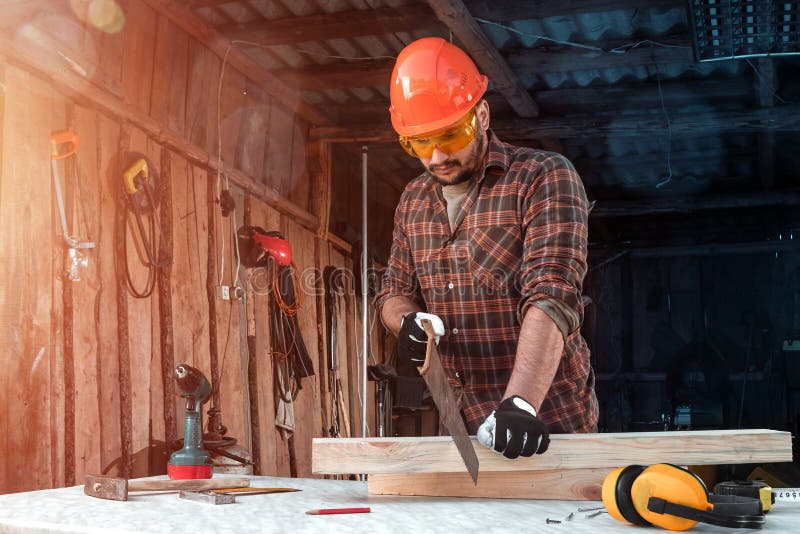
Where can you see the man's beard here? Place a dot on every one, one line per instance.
(467, 173)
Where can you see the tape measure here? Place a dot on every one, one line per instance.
(757, 489)
(760, 490)
(791, 495)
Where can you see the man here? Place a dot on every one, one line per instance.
(490, 245)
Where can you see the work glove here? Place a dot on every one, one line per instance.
(412, 341)
(513, 429)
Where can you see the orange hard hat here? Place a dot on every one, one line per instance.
(434, 83)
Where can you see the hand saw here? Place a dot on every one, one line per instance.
(436, 380)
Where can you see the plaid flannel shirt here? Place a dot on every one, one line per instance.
(520, 237)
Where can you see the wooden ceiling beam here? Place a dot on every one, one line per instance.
(508, 10)
(597, 98)
(467, 30)
(778, 118)
(539, 60)
(339, 25)
(196, 26)
(366, 73)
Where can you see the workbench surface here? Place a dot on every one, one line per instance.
(69, 510)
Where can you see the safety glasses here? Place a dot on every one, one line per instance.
(449, 140)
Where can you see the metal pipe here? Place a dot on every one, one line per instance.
(364, 293)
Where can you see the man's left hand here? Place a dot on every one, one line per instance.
(514, 430)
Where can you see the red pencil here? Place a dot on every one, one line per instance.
(326, 511)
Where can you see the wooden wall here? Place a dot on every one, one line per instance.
(86, 382)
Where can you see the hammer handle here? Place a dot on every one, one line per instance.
(200, 484)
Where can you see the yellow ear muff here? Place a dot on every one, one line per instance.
(616, 495)
(672, 484)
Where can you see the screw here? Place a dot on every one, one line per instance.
(551, 521)
(591, 509)
(569, 517)
(594, 514)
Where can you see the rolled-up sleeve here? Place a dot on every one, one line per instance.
(555, 221)
(400, 278)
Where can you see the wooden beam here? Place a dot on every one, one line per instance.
(438, 454)
(595, 99)
(560, 484)
(366, 73)
(540, 60)
(509, 10)
(339, 25)
(681, 205)
(41, 61)
(456, 16)
(558, 58)
(195, 25)
(779, 118)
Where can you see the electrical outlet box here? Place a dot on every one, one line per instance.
(224, 292)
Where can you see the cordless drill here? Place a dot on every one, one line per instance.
(192, 461)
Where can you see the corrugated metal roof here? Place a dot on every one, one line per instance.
(652, 28)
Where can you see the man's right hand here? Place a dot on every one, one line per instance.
(412, 341)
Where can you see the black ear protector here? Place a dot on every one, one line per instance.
(674, 498)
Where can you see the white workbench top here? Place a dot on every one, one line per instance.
(69, 510)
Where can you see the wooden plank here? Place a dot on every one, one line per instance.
(231, 387)
(510, 10)
(278, 152)
(137, 54)
(778, 118)
(196, 26)
(307, 407)
(559, 484)
(189, 270)
(105, 303)
(488, 59)
(144, 354)
(86, 341)
(75, 86)
(274, 455)
(170, 75)
(252, 134)
(319, 170)
(338, 25)
(439, 454)
(232, 112)
(164, 315)
(28, 442)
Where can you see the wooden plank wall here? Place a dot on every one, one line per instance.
(85, 387)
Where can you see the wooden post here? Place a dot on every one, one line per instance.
(319, 162)
(166, 249)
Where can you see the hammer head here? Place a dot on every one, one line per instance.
(103, 487)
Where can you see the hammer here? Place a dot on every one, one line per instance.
(116, 489)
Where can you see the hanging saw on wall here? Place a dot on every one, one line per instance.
(271, 251)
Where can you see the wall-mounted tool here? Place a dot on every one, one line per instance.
(192, 461)
(63, 145)
(138, 180)
(257, 244)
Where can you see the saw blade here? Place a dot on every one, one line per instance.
(436, 379)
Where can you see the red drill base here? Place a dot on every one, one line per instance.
(188, 472)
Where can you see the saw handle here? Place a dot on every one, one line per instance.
(426, 324)
(63, 144)
(192, 485)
